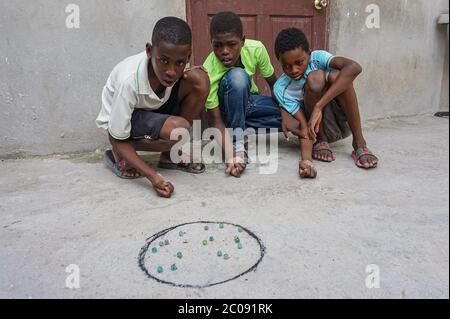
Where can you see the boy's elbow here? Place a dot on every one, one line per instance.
(357, 68)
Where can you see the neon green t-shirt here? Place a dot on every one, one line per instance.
(253, 55)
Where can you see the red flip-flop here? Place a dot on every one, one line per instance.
(185, 166)
(324, 146)
(356, 155)
(118, 168)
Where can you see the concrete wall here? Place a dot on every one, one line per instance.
(51, 77)
(403, 60)
(444, 103)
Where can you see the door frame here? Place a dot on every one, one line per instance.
(189, 18)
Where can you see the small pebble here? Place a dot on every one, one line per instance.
(166, 242)
(211, 238)
(160, 270)
(173, 267)
(154, 250)
(179, 255)
(226, 257)
(219, 253)
(181, 233)
(221, 226)
(206, 227)
(205, 242)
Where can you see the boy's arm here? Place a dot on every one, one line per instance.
(271, 82)
(233, 168)
(306, 169)
(349, 70)
(305, 143)
(291, 124)
(127, 152)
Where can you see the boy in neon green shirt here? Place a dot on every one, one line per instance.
(233, 100)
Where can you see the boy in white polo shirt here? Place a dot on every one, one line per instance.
(146, 97)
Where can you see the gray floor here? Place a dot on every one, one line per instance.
(320, 235)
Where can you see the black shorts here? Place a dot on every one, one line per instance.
(146, 124)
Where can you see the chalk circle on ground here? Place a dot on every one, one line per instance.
(201, 254)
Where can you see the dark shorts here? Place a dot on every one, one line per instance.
(147, 124)
(335, 125)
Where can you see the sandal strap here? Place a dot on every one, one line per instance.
(362, 151)
(322, 146)
(190, 160)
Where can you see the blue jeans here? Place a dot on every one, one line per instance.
(242, 109)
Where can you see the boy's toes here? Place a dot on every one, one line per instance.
(132, 173)
(129, 174)
(364, 158)
(368, 161)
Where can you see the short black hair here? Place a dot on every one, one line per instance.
(172, 30)
(226, 22)
(290, 39)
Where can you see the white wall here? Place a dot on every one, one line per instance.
(51, 77)
(403, 60)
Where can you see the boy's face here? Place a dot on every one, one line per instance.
(294, 63)
(168, 61)
(227, 48)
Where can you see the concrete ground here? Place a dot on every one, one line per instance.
(320, 235)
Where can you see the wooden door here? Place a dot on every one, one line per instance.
(262, 20)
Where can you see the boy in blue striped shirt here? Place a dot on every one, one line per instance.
(317, 90)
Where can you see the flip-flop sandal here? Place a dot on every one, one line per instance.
(118, 168)
(356, 155)
(183, 166)
(324, 146)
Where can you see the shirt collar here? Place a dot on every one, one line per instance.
(142, 83)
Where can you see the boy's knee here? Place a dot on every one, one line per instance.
(332, 77)
(179, 122)
(173, 123)
(237, 78)
(199, 81)
(316, 81)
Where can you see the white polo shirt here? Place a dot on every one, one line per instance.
(127, 88)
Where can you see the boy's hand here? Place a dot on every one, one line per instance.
(201, 67)
(314, 123)
(307, 169)
(236, 166)
(290, 124)
(163, 188)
